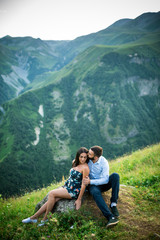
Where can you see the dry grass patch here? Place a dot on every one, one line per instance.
(134, 221)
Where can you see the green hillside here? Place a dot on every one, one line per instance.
(23, 60)
(68, 94)
(138, 205)
(107, 96)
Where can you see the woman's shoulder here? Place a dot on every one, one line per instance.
(85, 166)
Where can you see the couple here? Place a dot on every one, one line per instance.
(90, 169)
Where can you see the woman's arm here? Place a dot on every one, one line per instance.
(78, 202)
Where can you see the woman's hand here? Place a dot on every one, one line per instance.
(78, 203)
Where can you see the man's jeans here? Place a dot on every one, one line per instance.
(96, 192)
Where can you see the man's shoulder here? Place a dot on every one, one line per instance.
(90, 162)
(102, 159)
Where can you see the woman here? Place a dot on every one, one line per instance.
(73, 188)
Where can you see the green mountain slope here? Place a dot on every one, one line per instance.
(122, 32)
(138, 205)
(107, 95)
(24, 59)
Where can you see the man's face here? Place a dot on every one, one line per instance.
(91, 154)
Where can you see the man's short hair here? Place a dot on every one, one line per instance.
(97, 150)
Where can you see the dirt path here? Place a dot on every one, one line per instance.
(133, 218)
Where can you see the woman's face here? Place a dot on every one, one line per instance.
(82, 158)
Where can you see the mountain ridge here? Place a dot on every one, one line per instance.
(57, 54)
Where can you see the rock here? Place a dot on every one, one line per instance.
(62, 205)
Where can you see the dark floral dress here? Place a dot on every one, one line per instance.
(73, 184)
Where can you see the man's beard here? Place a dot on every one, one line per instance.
(91, 158)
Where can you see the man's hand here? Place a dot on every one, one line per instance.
(78, 204)
(86, 181)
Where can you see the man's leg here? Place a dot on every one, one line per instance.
(95, 191)
(114, 184)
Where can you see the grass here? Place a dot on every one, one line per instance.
(138, 205)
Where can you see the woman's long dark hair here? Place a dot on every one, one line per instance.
(76, 160)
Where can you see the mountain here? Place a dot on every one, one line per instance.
(89, 92)
(27, 60)
(23, 60)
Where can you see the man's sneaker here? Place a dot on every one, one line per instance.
(114, 211)
(113, 221)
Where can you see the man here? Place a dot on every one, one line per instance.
(100, 181)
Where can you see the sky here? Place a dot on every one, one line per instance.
(66, 19)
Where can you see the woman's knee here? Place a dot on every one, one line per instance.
(51, 194)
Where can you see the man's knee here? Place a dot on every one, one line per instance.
(115, 177)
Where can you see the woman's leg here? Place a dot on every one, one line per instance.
(53, 195)
(39, 212)
(42, 209)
